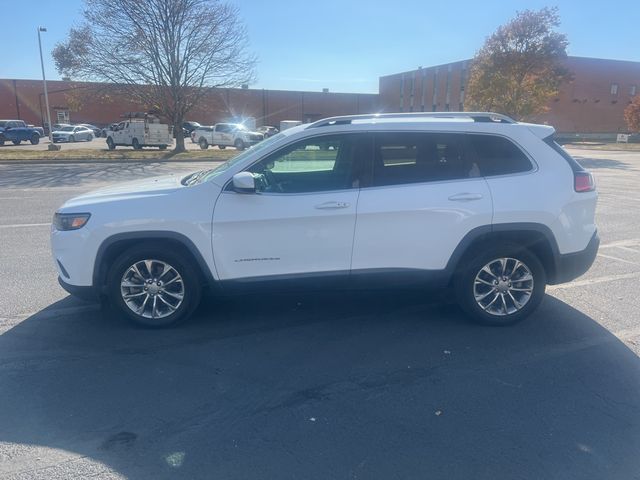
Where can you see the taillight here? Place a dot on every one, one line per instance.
(583, 182)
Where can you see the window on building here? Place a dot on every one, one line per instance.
(633, 90)
(614, 89)
(405, 158)
(498, 155)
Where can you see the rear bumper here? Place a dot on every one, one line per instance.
(571, 265)
(85, 293)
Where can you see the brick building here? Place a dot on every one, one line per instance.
(79, 102)
(592, 103)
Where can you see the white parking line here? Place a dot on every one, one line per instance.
(611, 257)
(18, 225)
(630, 242)
(592, 281)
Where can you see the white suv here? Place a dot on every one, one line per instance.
(491, 207)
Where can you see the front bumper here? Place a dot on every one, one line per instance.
(571, 265)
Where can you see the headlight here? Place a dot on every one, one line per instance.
(70, 221)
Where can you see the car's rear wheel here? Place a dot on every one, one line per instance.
(16, 142)
(89, 138)
(35, 139)
(162, 147)
(239, 144)
(203, 143)
(222, 147)
(501, 286)
(111, 144)
(136, 144)
(154, 287)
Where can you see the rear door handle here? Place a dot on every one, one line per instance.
(465, 197)
(331, 205)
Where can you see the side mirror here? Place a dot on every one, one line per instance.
(244, 182)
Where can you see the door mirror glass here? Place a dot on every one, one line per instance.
(244, 182)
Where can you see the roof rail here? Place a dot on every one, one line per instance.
(475, 116)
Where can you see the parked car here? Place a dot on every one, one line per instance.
(97, 131)
(227, 135)
(139, 132)
(267, 131)
(40, 130)
(72, 134)
(16, 131)
(428, 200)
(190, 127)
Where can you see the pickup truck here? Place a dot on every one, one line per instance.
(16, 131)
(227, 135)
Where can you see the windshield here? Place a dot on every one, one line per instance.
(206, 175)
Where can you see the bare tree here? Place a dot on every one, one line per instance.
(161, 53)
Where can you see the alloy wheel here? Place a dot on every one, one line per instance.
(152, 288)
(503, 286)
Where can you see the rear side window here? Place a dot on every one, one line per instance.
(404, 158)
(575, 166)
(498, 155)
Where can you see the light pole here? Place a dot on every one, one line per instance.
(46, 96)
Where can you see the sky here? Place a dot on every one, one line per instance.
(345, 45)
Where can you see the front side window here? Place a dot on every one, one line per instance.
(404, 158)
(498, 156)
(312, 165)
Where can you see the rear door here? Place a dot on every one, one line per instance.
(425, 194)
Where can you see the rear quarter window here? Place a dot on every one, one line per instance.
(498, 155)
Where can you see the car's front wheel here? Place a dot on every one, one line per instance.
(154, 287)
(203, 143)
(239, 144)
(111, 145)
(501, 286)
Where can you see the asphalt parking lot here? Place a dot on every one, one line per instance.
(317, 386)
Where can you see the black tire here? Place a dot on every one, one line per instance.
(35, 139)
(136, 144)
(239, 144)
(16, 142)
(90, 138)
(203, 143)
(72, 139)
(466, 286)
(222, 147)
(111, 144)
(162, 147)
(183, 266)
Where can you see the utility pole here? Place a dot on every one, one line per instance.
(46, 95)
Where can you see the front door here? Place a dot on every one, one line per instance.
(425, 195)
(302, 217)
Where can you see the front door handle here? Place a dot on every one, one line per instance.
(465, 197)
(331, 205)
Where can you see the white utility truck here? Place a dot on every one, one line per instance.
(140, 130)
